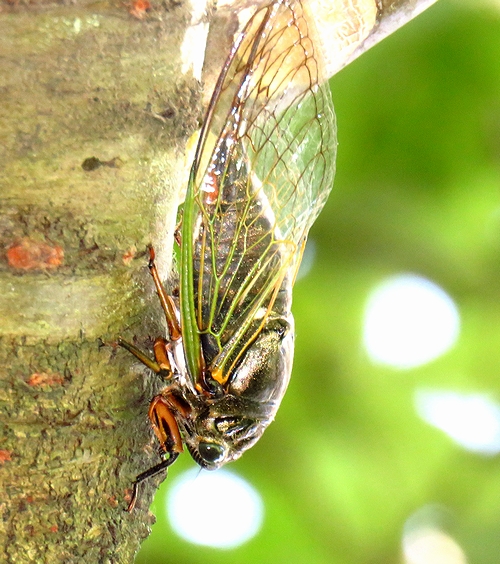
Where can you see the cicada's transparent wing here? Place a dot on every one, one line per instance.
(263, 170)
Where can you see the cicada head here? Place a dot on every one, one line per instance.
(221, 428)
(222, 432)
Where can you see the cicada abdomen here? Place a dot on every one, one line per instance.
(263, 169)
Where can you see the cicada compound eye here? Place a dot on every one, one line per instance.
(211, 453)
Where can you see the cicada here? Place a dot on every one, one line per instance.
(262, 171)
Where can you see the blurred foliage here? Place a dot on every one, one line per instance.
(348, 460)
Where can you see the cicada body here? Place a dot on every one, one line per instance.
(263, 170)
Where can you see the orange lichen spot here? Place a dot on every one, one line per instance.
(113, 501)
(54, 529)
(5, 456)
(28, 254)
(129, 255)
(139, 9)
(128, 494)
(44, 379)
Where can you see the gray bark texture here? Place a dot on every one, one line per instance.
(94, 83)
(94, 115)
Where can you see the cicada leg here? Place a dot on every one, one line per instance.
(162, 419)
(163, 465)
(166, 429)
(167, 303)
(164, 424)
(161, 365)
(162, 407)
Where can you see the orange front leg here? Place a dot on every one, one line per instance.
(166, 429)
(164, 425)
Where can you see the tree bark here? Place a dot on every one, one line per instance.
(95, 113)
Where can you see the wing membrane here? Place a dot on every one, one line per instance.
(263, 170)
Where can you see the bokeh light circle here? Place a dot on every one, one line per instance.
(217, 509)
(409, 321)
(471, 420)
(432, 546)
(426, 541)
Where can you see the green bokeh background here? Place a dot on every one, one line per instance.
(348, 460)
